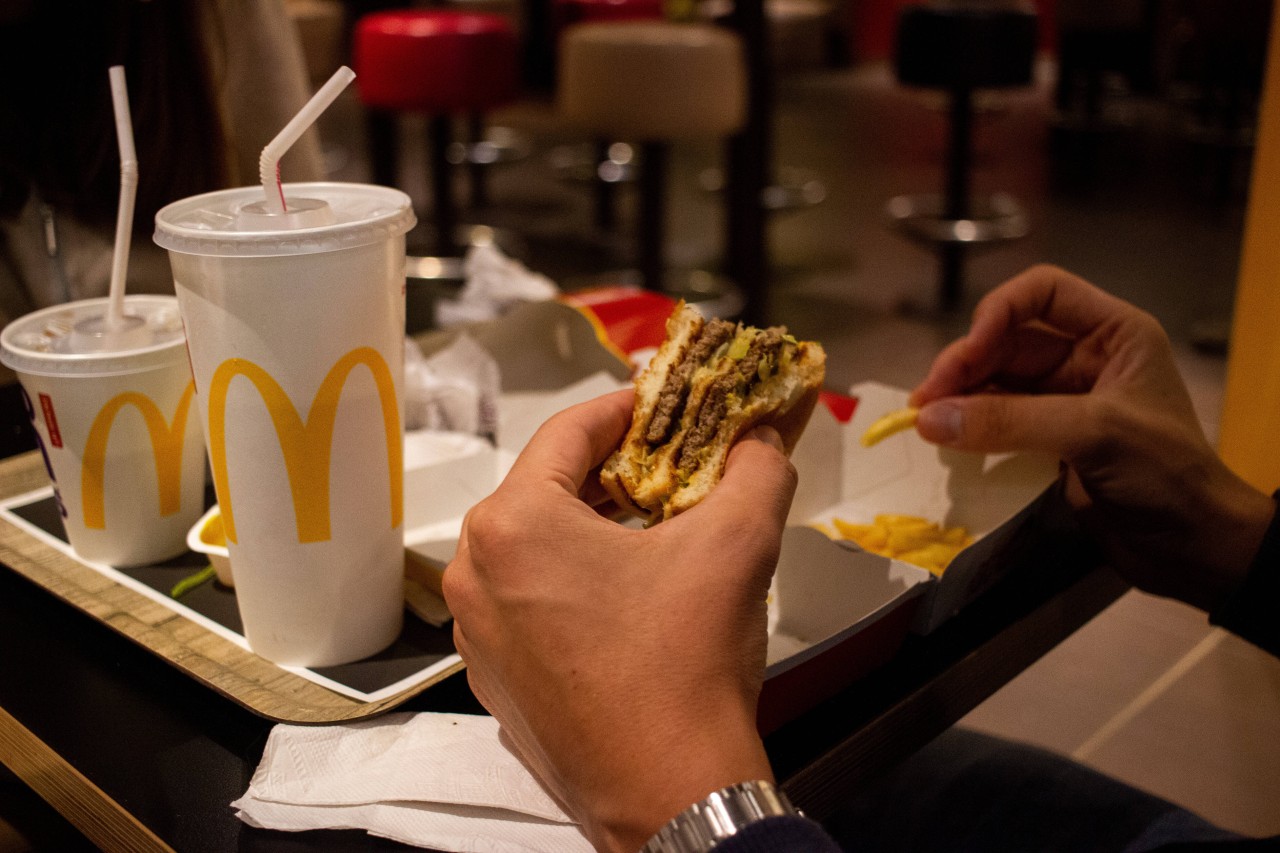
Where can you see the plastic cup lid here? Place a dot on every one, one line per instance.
(322, 217)
(45, 343)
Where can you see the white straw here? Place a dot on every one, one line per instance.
(128, 192)
(269, 162)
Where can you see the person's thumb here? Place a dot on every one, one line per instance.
(995, 423)
(759, 481)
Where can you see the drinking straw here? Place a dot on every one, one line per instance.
(269, 162)
(128, 192)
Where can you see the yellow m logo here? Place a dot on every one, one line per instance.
(306, 446)
(166, 445)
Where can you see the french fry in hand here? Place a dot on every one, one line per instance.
(891, 423)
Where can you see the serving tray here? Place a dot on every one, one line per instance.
(199, 634)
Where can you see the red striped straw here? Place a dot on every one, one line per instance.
(269, 162)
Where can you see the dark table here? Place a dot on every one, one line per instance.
(140, 756)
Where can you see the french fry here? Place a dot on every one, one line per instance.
(908, 538)
(934, 557)
(871, 537)
(891, 423)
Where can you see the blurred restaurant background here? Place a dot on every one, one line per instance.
(1134, 142)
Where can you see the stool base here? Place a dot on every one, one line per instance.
(582, 163)
(604, 166)
(793, 189)
(992, 219)
(499, 145)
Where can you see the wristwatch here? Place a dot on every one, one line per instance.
(724, 813)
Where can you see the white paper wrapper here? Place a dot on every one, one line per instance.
(455, 390)
(444, 781)
(494, 284)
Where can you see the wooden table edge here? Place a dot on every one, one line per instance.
(99, 817)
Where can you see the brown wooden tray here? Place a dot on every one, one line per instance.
(254, 682)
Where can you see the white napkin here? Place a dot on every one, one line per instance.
(494, 284)
(443, 781)
(455, 390)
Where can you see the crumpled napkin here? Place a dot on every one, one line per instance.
(443, 781)
(494, 284)
(455, 390)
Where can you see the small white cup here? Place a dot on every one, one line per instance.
(118, 428)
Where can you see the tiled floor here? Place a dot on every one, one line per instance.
(1146, 692)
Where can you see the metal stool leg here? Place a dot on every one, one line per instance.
(652, 213)
(605, 215)
(381, 128)
(439, 136)
(956, 196)
(478, 171)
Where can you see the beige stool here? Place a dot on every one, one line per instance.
(654, 83)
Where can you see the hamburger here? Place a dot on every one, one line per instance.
(710, 382)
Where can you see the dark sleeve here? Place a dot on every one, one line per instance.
(780, 835)
(1253, 610)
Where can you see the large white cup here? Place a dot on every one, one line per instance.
(118, 430)
(295, 326)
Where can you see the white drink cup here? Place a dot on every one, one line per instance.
(118, 428)
(295, 326)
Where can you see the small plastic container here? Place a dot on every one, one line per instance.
(207, 537)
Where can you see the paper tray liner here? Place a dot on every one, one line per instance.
(253, 682)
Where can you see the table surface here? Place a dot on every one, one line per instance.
(140, 756)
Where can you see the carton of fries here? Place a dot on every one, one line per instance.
(837, 610)
(992, 499)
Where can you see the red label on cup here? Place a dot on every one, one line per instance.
(50, 420)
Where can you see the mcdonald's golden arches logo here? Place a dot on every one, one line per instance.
(166, 447)
(306, 446)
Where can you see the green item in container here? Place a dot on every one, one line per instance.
(189, 583)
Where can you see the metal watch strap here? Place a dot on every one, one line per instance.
(724, 813)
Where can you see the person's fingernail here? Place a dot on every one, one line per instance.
(769, 436)
(940, 422)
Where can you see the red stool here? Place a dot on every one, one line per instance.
(442, 63)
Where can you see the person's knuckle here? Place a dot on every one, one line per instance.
(492, 527)
(456, 586)
(1047, 270)
(995, 423)
(1098, 434)
(1107, 415)
(1151, 328)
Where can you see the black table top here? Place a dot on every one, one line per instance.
(173, 754)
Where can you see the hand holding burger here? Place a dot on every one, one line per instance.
(624, 665)
(710, 382)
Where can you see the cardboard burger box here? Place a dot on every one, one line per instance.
(835, 612)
